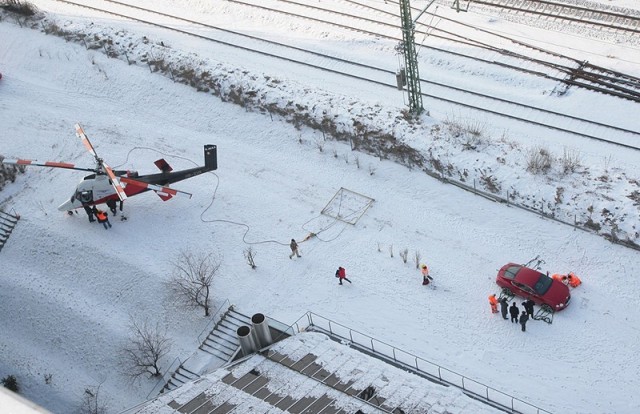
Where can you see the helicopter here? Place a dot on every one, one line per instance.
(106, 184)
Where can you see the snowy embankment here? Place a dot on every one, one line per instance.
(604, 199)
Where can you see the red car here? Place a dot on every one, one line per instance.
(530, 283)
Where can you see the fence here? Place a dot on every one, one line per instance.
(557, 215)
(415, 364)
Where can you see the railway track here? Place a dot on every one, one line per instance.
(568, 71)
(583, 128)
(601, 19)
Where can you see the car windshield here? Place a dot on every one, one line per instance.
(543, 284)
(511, 271)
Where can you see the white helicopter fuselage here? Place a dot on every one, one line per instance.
(93, 189)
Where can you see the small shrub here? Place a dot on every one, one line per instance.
(404, 254)
(250, 256)
(635, 196)
(538, 160)
(592, 225)
(19, 7)
(559, 193)
(570, 161)
(11, 383)
(489, 181)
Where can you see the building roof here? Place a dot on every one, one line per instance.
(310, 373)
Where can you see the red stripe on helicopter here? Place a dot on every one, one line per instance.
(162, 191)
(59, 164)
(46, 164)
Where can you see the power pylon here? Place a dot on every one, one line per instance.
(412, 76)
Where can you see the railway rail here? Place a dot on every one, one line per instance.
(380, 76)
(576, 73)
(600, 19)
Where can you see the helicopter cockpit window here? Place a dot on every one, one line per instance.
(84, 196)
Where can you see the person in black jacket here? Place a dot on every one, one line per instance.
(523, 320)
(528, 306)
(89, 212)
(504, 305)
(514, 311)
(112, 206)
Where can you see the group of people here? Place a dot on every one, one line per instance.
(341, 273)
(513, 310)
(96, 214)
(570, 279)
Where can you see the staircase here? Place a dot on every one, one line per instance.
(218, 348)
(222, 342)
(7, 223)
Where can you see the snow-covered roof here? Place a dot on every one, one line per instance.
(310, 373)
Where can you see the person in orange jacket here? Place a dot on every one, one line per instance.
(574, 281)
(493, 301)
(103, 218)
(560, 278)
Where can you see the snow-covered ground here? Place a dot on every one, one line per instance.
(69, 288)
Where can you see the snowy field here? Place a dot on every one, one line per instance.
(68, 288)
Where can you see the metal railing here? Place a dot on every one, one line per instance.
(214, 320)
(420, 366)
(162, 381)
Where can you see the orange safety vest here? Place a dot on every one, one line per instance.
(493, 301)
(560, 278)
(425, 271)
(574, 280)
(101, 216)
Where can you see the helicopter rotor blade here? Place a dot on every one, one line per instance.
(115, 182)
(52, 164)
(85, 140)
(101, 164)
(158, 188)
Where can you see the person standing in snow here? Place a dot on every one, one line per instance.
(528, 306)
(504, 306)
(111, 203)
(493, 301)
(514, 311)
(523, 320)
(103, 218)
(89, 212)
(294, 249)
(425, 274)
(341, 274)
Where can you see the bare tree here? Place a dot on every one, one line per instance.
(148, 343)
(192, 278)
(91, 402)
